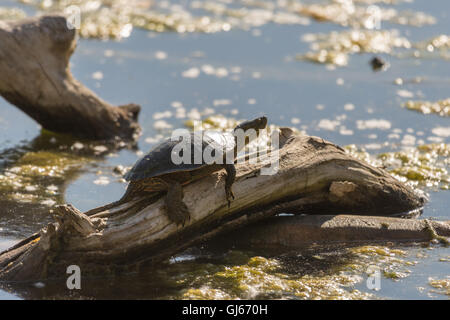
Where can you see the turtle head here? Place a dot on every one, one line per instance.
(256, 124)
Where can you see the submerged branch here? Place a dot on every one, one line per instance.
(295, 232)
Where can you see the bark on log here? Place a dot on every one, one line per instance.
(314, 176)
(35, 77)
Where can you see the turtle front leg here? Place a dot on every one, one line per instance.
(177, 211)
(231, 176)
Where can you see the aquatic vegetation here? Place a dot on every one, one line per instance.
(379, 251)
(350, 13)
(260, 277)
(180, 22)
(435, 47)
(439, 42)
(254, 14)
(335, 47)
(389, 261)
(366, 33)
(442, 286)
(11, 14)
(421, 166)
(381, 124)
(440, 107)
(39, 171)
(221, 123)
(117, 18)
(215, 122)
(37, 177)
(244, 275)
(381, 1)
(326, 57)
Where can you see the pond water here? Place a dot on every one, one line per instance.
(240, 74)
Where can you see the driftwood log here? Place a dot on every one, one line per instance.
(314, 177)
(35, 77)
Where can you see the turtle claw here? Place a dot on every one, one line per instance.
(188, 218)
(230, 195)
(231, 175)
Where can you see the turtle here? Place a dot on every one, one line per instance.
(158, 172)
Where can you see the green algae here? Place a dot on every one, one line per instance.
(437, 43)
(319, 272)
(366, 33)
(11, 14)
(214, 122)
(340, 273)
(363, 15)
(37, 176)
(394, 275)
(421, 166)
(222, 123)
(434, 236)
(260, 278)
(336, 46)
(331, 57)
(442, 286)
(379, 251)
(39, 171)
(440, 107)
(117, 18)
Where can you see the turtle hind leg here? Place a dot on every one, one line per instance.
(177, 211)
(231, 176)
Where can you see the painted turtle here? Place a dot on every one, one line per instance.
(158, 171)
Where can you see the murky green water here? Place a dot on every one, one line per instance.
(249, 70)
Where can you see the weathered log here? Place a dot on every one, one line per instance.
(314, 176)
(35, 77)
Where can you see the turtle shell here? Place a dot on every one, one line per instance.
(173, 155)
